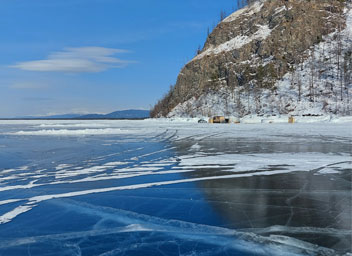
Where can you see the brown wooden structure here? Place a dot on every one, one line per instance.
(219, 120)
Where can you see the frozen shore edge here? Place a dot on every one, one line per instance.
(255, 119)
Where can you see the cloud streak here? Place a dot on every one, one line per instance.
(77, 60)
(37, 99)
(28, 85)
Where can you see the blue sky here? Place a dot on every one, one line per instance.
(84, 56)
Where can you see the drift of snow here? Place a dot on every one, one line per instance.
(261, 162)
(91, 125)
(67, 132)
(7, 217)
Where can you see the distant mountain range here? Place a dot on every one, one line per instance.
(122, 114)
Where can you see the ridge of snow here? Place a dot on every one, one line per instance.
(70, 132)
(239, 41)
(248, 10)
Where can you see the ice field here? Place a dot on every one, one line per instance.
(174, 188)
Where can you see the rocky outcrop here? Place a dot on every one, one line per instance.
(251, 51)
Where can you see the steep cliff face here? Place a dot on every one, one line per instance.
(275, 56)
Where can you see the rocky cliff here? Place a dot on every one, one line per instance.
(272, 57)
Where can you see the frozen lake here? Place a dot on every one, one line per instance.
(174, 188)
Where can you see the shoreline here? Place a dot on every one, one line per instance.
(256, 119)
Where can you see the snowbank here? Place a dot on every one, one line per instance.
(67, 132)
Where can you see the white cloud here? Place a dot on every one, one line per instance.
(76, 60)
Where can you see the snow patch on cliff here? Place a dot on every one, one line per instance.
(248, 11)
(236, 43)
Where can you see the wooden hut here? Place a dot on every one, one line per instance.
(219, 120)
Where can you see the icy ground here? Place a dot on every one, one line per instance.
(174, 188)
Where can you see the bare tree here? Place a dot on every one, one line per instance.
(312, 75)
(338, 60)
(296, 81)
(222, 15)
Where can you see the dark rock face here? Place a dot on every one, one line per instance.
(256, 45)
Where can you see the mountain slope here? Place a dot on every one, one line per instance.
(273, 57)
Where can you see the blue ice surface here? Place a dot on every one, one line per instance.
(160, 220)
(193, 218)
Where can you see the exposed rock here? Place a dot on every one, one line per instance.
(254, 49)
